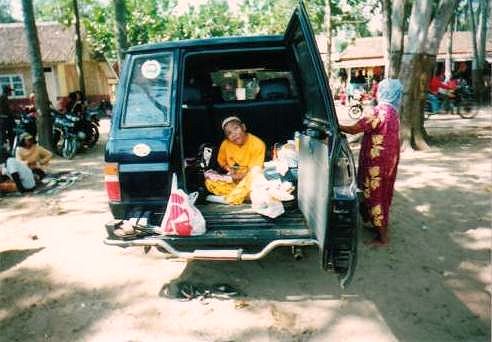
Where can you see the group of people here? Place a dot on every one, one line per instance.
(22, 172)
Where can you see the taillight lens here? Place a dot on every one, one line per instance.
(112, 182)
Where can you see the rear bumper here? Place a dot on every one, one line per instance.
(212, 254)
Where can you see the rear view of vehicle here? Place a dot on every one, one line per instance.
(172, 99)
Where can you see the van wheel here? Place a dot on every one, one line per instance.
(345, 252)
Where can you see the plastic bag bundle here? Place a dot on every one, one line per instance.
(182, 218)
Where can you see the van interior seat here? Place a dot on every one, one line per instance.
(275, 88)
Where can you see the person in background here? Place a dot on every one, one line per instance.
(374, 91)
(435, 87)
(34, 156)
(16, 171)
(7, 122)
(76, 103)
(379, 157)
(238, 154)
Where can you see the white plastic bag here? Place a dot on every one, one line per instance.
(182, 218)
(261, 200)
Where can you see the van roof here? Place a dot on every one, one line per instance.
(217, 41)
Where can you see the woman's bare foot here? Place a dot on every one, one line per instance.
(377, 243)
(381, 240)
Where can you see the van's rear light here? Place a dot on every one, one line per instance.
(112, 182)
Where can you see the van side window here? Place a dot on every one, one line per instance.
(149, 91)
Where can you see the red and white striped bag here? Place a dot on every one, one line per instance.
(182, 218)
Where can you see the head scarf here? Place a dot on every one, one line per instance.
(389, 92)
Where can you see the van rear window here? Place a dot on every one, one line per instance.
(149, 91)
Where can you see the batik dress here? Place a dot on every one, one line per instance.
(378, 163)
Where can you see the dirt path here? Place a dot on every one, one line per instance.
(58, 282)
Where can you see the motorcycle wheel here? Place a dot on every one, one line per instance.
(58, 141)
(92, 135)
(466, 109)
(355, 112)
(69, 148)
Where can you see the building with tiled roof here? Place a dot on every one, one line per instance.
(57, 44)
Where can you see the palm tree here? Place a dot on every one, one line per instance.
(38, 80)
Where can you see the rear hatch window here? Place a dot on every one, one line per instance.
(148, 98)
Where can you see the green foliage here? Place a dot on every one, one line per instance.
(213, 19)
(156, 20)
(5, 13)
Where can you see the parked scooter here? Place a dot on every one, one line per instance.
(68, 134)
(25, 123)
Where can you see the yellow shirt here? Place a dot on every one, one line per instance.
(251, 153)
(36, 155)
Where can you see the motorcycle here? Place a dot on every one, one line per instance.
(460, 102)
(68, 134)
(25, 123)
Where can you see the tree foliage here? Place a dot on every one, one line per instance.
(156, 20)
(5, 12)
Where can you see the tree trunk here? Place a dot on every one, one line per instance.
(448, 62)
(482, 39)
(409, 70)
(44, 121)
(327, 19)
(78, 48)
(120, 14)
(476, 67)
(386, 4)
(424, 37)
(397, 16)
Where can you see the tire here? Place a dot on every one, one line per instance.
(345, 249)
(355, 111)
(466, 109)
(69, 148)
(58, 141)
(92, 133)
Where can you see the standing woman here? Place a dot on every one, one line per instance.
(379, 156)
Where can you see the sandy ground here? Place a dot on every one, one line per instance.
(59, 282)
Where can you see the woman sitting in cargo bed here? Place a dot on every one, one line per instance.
(238, 154)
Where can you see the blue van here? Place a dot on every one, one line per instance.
(171, 99)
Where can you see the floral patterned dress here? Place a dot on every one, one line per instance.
(378, 164)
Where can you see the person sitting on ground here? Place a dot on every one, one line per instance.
(238, 154)
(17, 172)
(36, 157)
